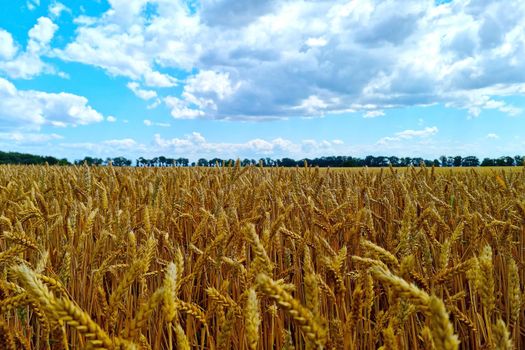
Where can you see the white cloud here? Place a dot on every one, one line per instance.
(155, 104)
(180, 110)
(124, 43)
(31, 109)
(409, 134)
(195, 145)
(210, 82)
(107, 148)
(111, 119)
(7, 45)
(312, 105)
(94, 48)
(32, 4)
(201, 95)
(25, 66)
(374, 114)
(337, 142)
(283, 58)
(148, 122)
(84, 20)
(63, 75)
(476, 101)
(29, 138)
(28, 63)
(41, 34)
(492, 136)
(316, 42)
(141, 93)
(56, 8)
(314, 147)
(121, 143)
(426, 132)
(156, 79)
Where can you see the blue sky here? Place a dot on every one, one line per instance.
(256, 78)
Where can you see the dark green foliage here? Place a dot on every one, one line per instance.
(25, 158)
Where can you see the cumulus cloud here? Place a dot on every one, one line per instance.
(148, 122)
(155, 104)
(7, 45)
(41, 34)
(27, 64)
(231, 13)
(156, 79)
(111, 119)
(201, 95)
(121, 143)
(313, 105)
(141, 93)
(287, 58)
(125, 43)
(316, 42)
(106, 148)
(476, 102)
(409, 134)
(180, 108)
(56, 8)
(374, 114)
(29, 138)
(32, 109)
(426, 132)
(32, 4)
(196, 145)
(492, 136)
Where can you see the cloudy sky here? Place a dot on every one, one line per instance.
(262, 78)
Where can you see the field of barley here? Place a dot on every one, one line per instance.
(258, 258)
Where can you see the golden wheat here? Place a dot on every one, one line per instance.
(258, 258)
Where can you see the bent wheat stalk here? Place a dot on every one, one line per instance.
(304, 317)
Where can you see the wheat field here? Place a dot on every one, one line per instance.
(258, 258)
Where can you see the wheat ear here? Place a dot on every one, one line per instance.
(440, 326)
(501, 336)
(304, 317)
(63, 310)
(252, 319)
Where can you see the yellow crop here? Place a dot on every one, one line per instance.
(261, 258)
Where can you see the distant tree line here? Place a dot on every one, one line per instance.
(332, 161)
(25, 158)
(140, 162)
